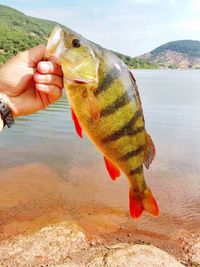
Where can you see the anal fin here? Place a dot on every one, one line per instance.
(112, 170)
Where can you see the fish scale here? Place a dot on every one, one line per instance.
(106, 104)
(120, 146)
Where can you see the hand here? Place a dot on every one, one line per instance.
(30, 84)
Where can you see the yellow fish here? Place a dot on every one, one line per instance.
(106, 104)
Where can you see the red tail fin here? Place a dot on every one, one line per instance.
(149, 203)
(145, 201)
(135, 206)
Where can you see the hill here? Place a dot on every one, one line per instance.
(177, 54)
(19, 32)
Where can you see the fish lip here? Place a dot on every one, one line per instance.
(78, 81)
(75, 81)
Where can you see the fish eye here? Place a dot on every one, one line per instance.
(76, 43)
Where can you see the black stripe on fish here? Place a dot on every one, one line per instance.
(119, 103)
(133, 153)
(127, 129)
(107, 81)
(138, 170)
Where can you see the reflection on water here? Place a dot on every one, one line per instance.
(48, 174)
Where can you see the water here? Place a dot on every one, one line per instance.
(48, 174)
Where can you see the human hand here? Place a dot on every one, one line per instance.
(30, 84)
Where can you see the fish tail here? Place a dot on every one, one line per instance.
(149, 203)
(142, 201)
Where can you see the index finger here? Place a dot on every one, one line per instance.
(48, 67)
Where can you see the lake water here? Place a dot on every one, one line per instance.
(47, 174)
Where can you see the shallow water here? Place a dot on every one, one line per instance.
(48, 174)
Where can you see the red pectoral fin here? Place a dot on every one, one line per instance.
(112, 170)
(93, 107)
(76, 124)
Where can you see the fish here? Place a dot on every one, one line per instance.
(106, 106)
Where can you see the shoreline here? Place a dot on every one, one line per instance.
(66, 244)
(33, 198)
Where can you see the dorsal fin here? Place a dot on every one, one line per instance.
(133, 80)
(150, 150)
(137, 95)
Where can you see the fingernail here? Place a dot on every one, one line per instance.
(44, 66)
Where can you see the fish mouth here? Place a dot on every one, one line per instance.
(79, 82)
(76, 81)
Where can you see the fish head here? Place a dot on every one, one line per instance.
(76, 55)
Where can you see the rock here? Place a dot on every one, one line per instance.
(68, 265)
(51, 245)
(190, 243)
(65, 245)
(195, 253)
(135, 255)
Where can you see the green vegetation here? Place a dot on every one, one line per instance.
(188, 47)
(182, 54)
(19, 32)
(137, 63)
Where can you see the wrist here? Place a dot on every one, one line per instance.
(6, 112)
(12, 107)
(5, 87)
(11, 104)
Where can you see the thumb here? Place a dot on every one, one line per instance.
(36, 54)
(33, 55)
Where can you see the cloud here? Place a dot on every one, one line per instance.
(24, 2)
(132, 27)
(59, 14)
(142, 2)
(191, 25)
(195, 5)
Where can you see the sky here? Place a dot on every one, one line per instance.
(132, 27)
